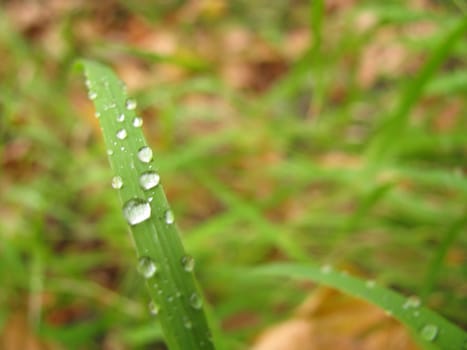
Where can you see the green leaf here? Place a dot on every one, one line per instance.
(162, 261)
(430, 328)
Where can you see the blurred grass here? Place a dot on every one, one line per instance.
(265, 156)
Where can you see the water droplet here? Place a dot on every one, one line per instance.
(136, 210)
(411, 302)
(137, 122)
(150, 199)
(120, 117)
(169, 217)
(326, 269)
(370, 284)
(196, 302)
(146, 267)
(187, 323)
(130, 104)
(121, 134)
(110, 152)
(149, 180)
(145, 154)
(117, 182)
(98, 114)
(429, 332)
(188, 263)
(170, 299)
(153, 308)
(92, 95)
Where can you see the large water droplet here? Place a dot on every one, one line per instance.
(146, 267)
(429, 332)
(120, 117)
(137, 122)
(411, 302)
(122, 134)
(153, 308)
(136, 210)
(196, 302)
(92, 95)
(188, 263)
(149, 180)
(169, 217)
(130, 104)
(145, 154)
(117, 182)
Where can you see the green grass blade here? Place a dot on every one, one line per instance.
(430, 328)
(387, 140)
(171, 284)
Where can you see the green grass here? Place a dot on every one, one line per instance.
(162, 260)
(289, 174)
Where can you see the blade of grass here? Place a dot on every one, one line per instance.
(430, 328)
(162, 260)
(387, 141)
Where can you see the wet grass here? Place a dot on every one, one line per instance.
(290, 173)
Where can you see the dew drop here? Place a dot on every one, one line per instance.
(370, 284)
(117, 182)
(187, 323)
(429, 332)
(137, 122)
(149, 180)
(98, 114)
(196, 302)
(326, 269)
(92, 95)
(146, 267)
(169, 217)
(110, 152)
(411, 302)
(120, 117)
(136, 210)
(121, 134)
(153, 308)
(188, 263)
(130, 104)
(145, 154)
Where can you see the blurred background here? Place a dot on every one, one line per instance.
(326, 132)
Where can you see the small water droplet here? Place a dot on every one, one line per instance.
(150, 199)
(188, 263)
(146, 267)
(326, 269)
(429, 332)
(117, 182)
(411, 302)
(92, 95)
(136, 210)
(145, 154)
(169, 217)
(120, 117)
(153, 308)
(121, 134)
(370, 284)
(98, 114)
(187, 323)
(110, 152)
(170, 299)
(137, 122)
(130, 104)
(196, 302)
(149, 179)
